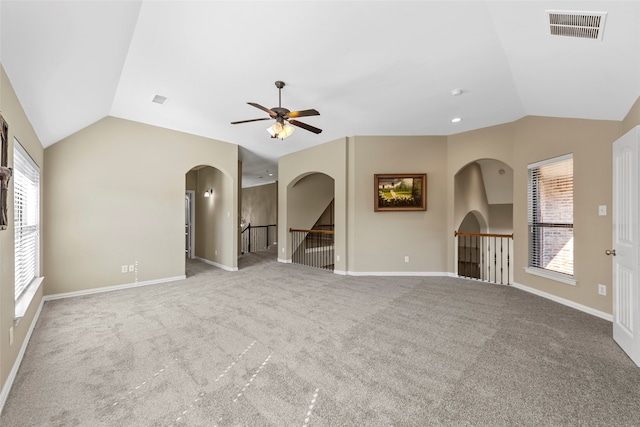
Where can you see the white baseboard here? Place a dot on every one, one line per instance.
(112, 288)
(215, 264)
(4, 394)
(563, 301)
(400, 273)
(340, 272)
(284, 261)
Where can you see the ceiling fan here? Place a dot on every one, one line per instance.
(281, 128)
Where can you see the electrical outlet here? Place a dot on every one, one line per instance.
(131, 268)
(215, 252)
(602, 289)
(406, 258)
(124, 269)
(282, 250)
(337, 257)
(11, 336)
(602, 210)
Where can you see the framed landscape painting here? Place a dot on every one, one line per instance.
(400, 192)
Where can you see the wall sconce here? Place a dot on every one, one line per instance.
(209, 192)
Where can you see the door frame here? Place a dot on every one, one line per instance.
(192, 234)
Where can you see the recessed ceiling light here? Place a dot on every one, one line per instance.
(456, 120)
(456, 92)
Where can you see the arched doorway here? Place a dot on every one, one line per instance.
(209, 231)
(310, 217)
(483, 210)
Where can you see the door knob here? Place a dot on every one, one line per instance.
(610, 252)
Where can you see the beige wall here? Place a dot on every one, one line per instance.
(308, 199)
(191, 181)
(260, 204)
(539, 138)
(501, 218)
(381, 240)
(469, 224)
(115, 196)
(19, 128)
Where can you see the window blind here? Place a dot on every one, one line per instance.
(550, 215)
(26, 198)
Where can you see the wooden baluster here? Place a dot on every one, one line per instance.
(495, 261)
(501, 258)
(488, 240)
(508, 263)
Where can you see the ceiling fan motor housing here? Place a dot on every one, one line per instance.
(283, 114)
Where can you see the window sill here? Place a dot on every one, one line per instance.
(23, 303)
(558, 277)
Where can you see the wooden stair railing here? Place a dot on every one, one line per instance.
(313, 248)
(485, 256)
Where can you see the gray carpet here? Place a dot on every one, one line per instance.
(285, 345)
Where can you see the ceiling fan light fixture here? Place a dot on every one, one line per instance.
(286, 131)
(278, 130)
(274, 129)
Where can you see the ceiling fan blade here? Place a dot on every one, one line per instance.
(303, 113)
(305, 126)
(251, 120)
(272, 113)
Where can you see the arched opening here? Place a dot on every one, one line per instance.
(470, 245)
(473, 223)
(258, 218)
(483, 208)
(209, 233)
(310, 217)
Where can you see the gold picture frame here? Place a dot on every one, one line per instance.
(400, 192)
(5, 172)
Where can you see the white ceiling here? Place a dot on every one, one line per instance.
(369, 67)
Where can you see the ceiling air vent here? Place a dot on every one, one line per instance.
(584, 25)
(159, 99)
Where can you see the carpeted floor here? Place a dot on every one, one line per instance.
(285, 345)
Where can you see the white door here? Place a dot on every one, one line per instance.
(625, 244)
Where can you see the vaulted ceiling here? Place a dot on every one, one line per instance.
(368, 67)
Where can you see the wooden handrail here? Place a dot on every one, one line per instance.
(483, 234)
(313, 231)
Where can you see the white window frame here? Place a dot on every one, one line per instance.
(26, 197)
(533, 269)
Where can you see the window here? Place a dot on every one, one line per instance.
(550, 198)
(26, 199)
